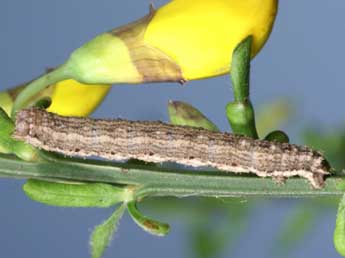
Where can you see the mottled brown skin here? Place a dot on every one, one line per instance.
(160, 142)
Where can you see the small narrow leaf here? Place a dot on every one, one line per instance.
(182, 113)
(74, 195)
(102, 234)
(149, 225)
(339, 232)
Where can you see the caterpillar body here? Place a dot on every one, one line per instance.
(159, 142)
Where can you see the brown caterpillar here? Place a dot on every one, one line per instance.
(160, 142)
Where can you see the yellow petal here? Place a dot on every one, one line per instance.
(182, 40)
(71, 98)
(201, 35)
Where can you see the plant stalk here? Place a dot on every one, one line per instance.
(56, 75)
(156, 181)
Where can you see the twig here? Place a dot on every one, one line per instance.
(153, 181)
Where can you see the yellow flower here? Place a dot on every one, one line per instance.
(69, 97)
(183, 40)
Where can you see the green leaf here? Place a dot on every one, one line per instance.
(149, 225)
(339, 232)
(102, 234)
(182, 113)
(74, 194)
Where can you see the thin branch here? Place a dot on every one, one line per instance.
(156, 181)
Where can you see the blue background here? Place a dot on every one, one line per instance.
(302, 60)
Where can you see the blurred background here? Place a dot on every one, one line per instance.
(296, 86)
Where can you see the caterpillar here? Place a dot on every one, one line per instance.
(153, 141)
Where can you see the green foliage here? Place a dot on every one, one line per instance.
(151, 226)
(102, 234)
(74, 194)
(140, 181)
(182, 113)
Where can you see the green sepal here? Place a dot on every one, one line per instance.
(74, 194)
(102, 234)
(182, 113)
(149, 225)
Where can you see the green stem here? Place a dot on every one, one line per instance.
(59, 74)
(240, 70)
(240, 113)
(153, 181)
